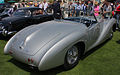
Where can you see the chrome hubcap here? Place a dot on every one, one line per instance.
(72, 55)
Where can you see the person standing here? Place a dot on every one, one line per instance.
(89, 8)
(11, 10)
(107, 10)
(78, 8)
(62, 6)
(45, 5)
(70, 9)
(41, 5)
(66, 6)
(85, 9)
(96, 9)
(117, 16)
(74, 6)
(81, 6)
(56, 9)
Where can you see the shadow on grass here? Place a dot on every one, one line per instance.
(118, 41)
(93, 50)
(34, 70)
(6, 38)
(54, 71)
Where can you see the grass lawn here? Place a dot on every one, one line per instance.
(103, 61)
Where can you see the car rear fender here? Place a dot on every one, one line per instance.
(106, 31)
(55, 55)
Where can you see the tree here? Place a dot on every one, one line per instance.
(51, 1)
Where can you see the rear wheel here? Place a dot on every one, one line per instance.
(71, 58)
(114, 28)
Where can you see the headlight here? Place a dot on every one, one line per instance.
(1, 26)
(4, 32)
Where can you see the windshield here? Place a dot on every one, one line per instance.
(22, 12)
(6, 10)
(87, 19)
(79, 16)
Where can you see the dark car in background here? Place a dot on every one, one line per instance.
(6, 13)
(2, 7)
(22, 18)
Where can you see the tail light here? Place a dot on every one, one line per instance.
(10, 52)
(30, 60)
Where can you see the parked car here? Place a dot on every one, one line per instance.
(6, 13)
(23, 17)
(59, 42)
(2, 7)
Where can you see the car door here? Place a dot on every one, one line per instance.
(93, 33)
(21, 23)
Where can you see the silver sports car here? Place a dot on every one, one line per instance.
(59, 42)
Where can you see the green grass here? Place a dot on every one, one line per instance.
(103, 61)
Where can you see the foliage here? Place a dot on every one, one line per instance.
(51, 1)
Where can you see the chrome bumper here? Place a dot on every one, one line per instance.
(7, 33)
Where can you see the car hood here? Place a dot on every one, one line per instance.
(34, 38)
(12, 19)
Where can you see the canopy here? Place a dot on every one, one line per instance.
(12, 1)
